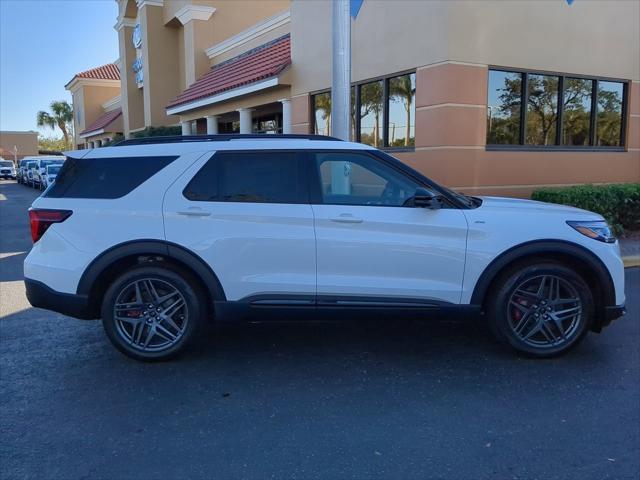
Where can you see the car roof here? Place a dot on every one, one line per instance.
(180, 148)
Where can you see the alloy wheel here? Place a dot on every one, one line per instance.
(151, 315)
(544, 311)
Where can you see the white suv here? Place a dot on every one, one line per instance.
(155, 236)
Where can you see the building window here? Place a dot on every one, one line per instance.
(503, 111)
(382, 112)
(561, 111)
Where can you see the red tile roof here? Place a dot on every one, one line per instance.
(105, 72)
(262, 62)
(103, 121)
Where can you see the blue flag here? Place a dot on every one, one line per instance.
(355, 7)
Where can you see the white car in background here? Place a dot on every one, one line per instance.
(41, 169)
(7, 169)
(51, 172)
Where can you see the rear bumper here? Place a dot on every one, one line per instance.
(41, 296)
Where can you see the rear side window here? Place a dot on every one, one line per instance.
(258, 177)
(104, 177)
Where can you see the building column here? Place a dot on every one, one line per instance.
(212, 125)
(186, 128)
(286, 115)
(246, 120)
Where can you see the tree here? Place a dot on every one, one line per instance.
(51, 144)
(403, 89)
(61, 116)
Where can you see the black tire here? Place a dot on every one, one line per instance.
(129, 337)
(516, 292)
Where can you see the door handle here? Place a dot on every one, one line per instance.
(346, 218)
(194, 212)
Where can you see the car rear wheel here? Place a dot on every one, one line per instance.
(151, 313)
(542, 310)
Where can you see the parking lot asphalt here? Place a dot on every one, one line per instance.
(340, 401)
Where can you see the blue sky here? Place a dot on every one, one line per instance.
(43, 43)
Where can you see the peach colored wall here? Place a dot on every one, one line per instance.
(27, 143)
(300, 114)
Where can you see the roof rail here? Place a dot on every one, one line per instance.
(220, 138)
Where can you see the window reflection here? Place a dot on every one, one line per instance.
(371, 109)
(402, 111)
(542, 110)
(322, 113)
(503, 110)
(576, 119)
(609, 118)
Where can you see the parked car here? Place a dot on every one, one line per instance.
(51, 172)
(157, 236)
(41, 167)
(21, 170)
(7, 169)
(31, 173)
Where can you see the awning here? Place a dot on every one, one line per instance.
(254, 70)
(102, 123)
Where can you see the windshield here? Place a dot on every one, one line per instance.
(31, 165)
(6, 163)
(44, 163)
(53, 169)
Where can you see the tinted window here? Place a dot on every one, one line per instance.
(576, 119)
(542, 110)
(322, 113)
(503, 111)
(371, 113)
(355, 179)
(104, 177)
(259, 177)
(609, 119)
(402, 111)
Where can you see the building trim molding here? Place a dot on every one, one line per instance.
(452, 105)
(194, 12)
(451, 147)
(124, 22)
(236, 92)
(92, 133)
(151, 3)
(249, 34)
(93, 82)
(452, 62)
(111, 104)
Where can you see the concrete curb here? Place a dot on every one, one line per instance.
(631, 261)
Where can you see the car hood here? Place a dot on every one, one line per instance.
(533, 206)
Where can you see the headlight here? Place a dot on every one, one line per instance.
(598, 230)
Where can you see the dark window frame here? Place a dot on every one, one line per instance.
(559, 147)
(385, 111)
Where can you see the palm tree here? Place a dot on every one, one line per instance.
(61, 116)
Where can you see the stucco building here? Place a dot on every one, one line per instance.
(15, 145)
(487, 97)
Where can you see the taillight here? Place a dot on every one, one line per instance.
(41, 219)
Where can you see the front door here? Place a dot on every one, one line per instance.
(371, 248)
(247, 214)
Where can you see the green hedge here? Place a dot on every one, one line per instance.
(619, 204)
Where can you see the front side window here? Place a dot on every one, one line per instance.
(255, 177)
(357, 179)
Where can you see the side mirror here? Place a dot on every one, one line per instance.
(424, 198)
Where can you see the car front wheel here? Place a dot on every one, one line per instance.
(542, 310)
(151, 313)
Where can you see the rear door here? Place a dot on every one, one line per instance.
(371, 248)
(247, 214)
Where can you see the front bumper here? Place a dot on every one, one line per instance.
(41, 296)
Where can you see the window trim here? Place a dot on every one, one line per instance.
(559, 147)
(303, 175)
(385, 111)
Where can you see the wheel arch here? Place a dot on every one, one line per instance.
(110, 263)
(585, 262)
